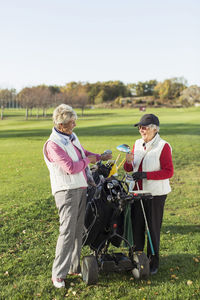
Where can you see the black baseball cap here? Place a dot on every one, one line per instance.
(148, 119)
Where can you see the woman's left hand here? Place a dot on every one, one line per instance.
(92, 159)
(139, 175)
(106, 156)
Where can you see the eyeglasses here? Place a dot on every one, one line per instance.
(66, 125)
(143, 127)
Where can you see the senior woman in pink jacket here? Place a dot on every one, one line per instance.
(68, 162)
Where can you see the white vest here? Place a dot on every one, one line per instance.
(151, 162)
(60, 180)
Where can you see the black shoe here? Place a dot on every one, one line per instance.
(153, 271)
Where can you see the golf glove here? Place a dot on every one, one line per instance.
(139, 175)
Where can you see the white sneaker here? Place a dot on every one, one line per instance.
(58, 283)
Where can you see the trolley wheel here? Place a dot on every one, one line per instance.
(89, 269)
(142, 265)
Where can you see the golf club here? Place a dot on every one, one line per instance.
(124, 148)
(107, 152)
(146, 224)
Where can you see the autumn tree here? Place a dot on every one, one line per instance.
(26, 99)
(80, 99)
(190, 95)
(75, 94)
(44, 98)
(170, 89)
(145, 88)
(93, 90)
(100, 97)
(55, 92)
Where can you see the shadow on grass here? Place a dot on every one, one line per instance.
(48, 116)
(175, 268)
(178, 229)
(110, 130)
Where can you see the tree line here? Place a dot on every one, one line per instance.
(80, 94)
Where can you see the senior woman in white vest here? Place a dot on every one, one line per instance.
(151, 163)
(68, 162)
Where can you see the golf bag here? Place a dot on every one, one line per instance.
(104, 225)
(103, 209)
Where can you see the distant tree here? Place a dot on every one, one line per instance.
(114, 89)
(69, 92)
(66, 96)
(26, 100)
(6, 96)
(72, 85)
(80, 99)
(162, 89)
(106, 91)
(170, 88)
(145, 88)
(99, 97)
(149, 87)
(190, 95)
(37, 104)
(132, 88)
(40, 97)
(45, 98)
(140, 89)
(55, 92)
(92, 91)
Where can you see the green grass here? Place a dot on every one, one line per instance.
(29, 220)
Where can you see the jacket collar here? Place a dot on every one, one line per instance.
(64, 139)
(150, 144)
(71, 136)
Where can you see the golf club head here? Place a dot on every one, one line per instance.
(124, 148)
(109, 185)
(107, 152)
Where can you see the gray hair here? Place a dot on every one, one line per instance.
(62, 114)
(153, 126)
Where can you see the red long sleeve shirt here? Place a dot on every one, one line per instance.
(166, 166)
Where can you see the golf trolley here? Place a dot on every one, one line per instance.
(104, 226)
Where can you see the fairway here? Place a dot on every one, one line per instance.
(29, 219)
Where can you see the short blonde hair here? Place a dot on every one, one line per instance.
(63, 114)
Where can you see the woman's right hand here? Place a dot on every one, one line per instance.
(129, 158)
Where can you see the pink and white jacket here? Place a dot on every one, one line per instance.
(66, 161)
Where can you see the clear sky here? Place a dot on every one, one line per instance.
(57, 41)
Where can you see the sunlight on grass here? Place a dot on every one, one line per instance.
(29, 220)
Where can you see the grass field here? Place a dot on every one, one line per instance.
(29, 220)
